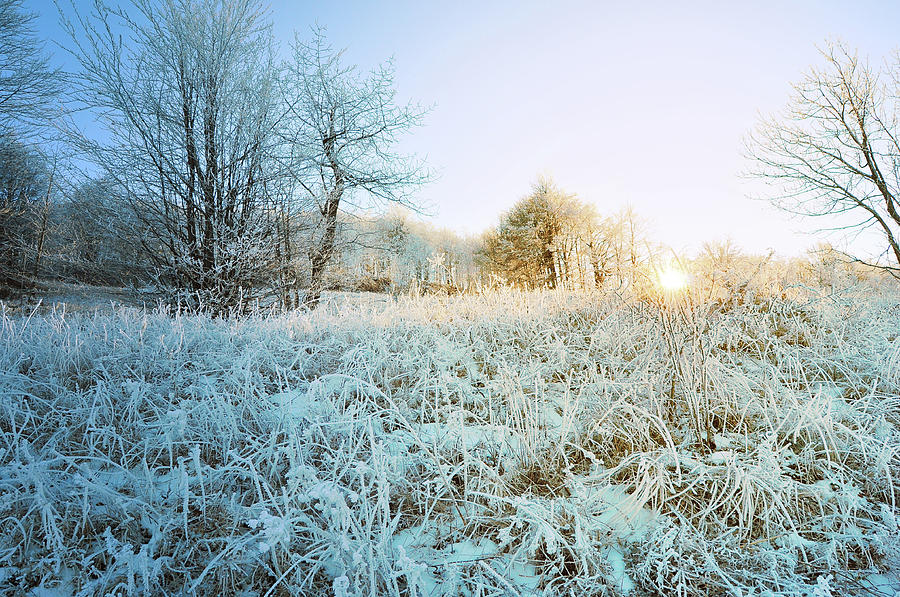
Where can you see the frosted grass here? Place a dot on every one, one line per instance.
(510, 443)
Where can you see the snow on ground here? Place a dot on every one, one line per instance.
(532, 444)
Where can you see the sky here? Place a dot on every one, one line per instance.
(642, 104)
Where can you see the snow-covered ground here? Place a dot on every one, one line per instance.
(544, 443)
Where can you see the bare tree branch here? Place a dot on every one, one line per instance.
(835, 150)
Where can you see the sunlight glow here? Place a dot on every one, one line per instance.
(672, 279)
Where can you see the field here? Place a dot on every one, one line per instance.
(545, 443)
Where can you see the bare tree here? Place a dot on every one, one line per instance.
(343, 130)
(628, 247)
(28, 85)
(24, 195)
(836, 150)
(190, 113)
(28, 88)
(599, 252)
(96, 235)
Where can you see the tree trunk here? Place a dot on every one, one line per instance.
(320, 255)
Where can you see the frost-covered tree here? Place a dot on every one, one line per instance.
(28, 89)
(629, 250)
(546, 240)
(343, 129)
(835, 152)
(25, 183)
(94, 237)
(189, 110)
(28, 85)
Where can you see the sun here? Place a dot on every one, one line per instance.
(672, 279)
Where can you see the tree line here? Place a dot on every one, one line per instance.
(223, 174)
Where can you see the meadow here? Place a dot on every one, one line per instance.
(510, 443)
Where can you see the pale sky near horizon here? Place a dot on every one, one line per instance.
(621, 103)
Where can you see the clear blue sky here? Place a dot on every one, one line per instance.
(621, 103)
